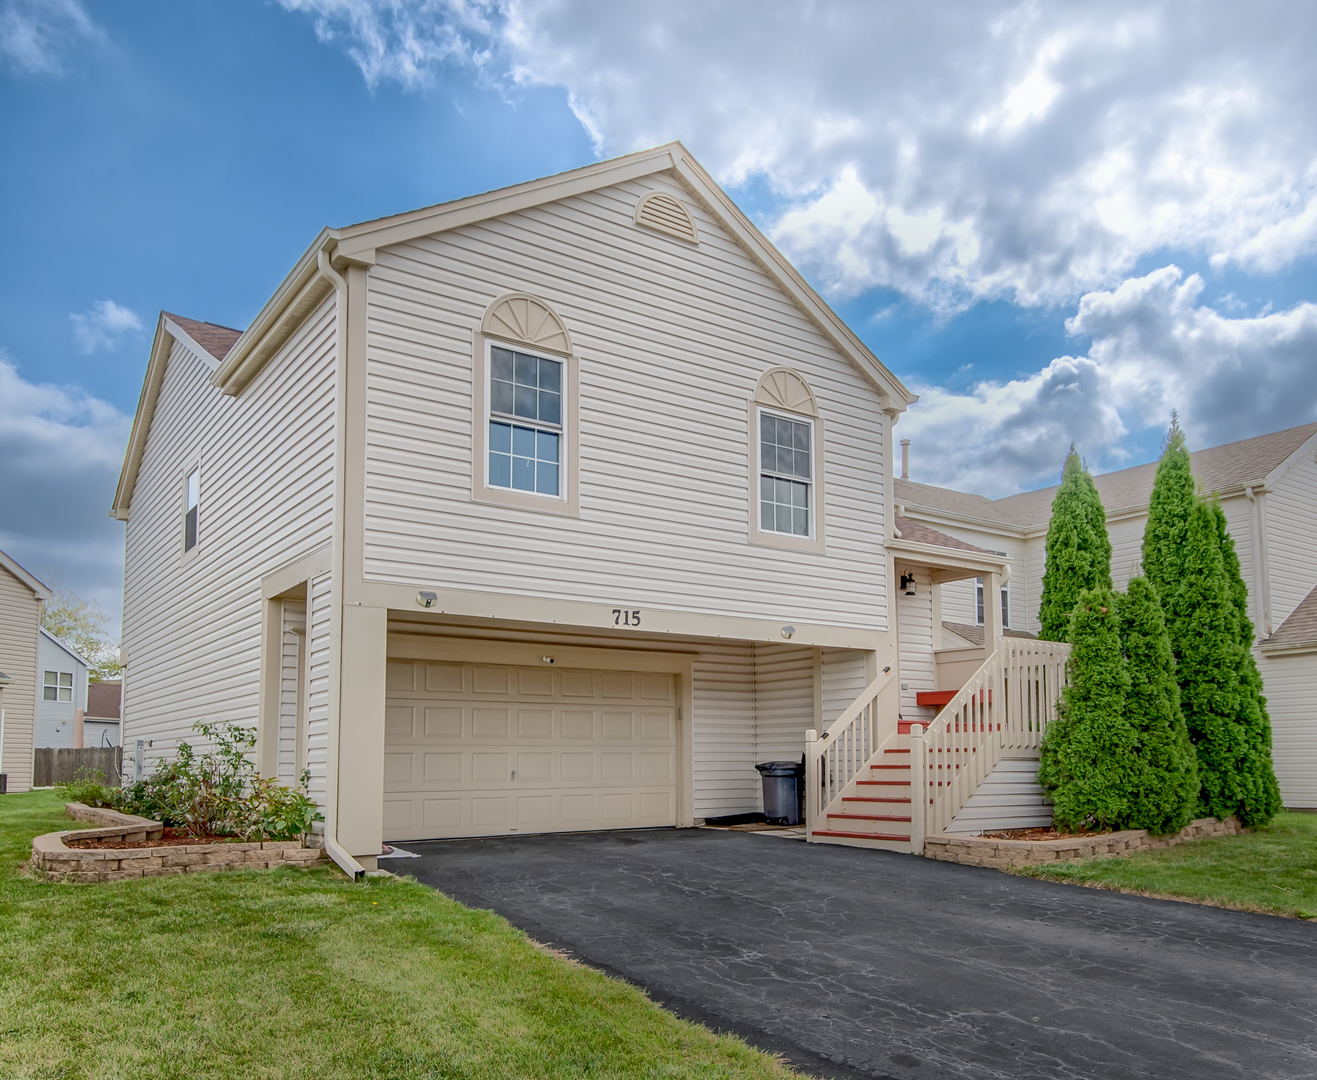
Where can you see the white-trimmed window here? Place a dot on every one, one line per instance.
(191, 508)
(786, 475)
(57, 686)
(1005, 604)
(526, 432)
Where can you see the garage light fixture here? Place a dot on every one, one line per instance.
(427, 599)
(788, 632)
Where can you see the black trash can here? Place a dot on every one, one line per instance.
(784, 791)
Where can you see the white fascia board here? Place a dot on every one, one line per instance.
(68, 649)
(41, 590)
(146, 402)
(184, 338)
(1292, 649)
(950, 558)
(930, 516)
(1308, 447)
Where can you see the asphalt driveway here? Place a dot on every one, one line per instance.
(869, 964)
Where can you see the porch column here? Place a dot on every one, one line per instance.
(992, 628)
(360, 805)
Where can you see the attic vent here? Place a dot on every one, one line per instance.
(664, 213)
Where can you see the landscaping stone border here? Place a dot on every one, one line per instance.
(55, 861)
(1005, 854)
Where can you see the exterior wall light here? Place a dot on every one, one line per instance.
(908, 583)
(427, 599)
(788, 632)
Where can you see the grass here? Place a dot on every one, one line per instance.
(1273, 870)
(294, 973)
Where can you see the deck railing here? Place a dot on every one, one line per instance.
(834, 758)
(1004, 706)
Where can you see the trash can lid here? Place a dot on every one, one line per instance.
(778, 768)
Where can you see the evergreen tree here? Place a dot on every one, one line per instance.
(1204, 628)
(1165, 792)
(1261, 801)
(1165, 534)
(1088, 766)
(1078, 554)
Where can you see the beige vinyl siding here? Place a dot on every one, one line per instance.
(784, 700)
(723, 694)
(1291, 528)
(19, 619)
(294, 639)
(671, 338)
(1290, 685)
(1126, 538)
(1008, 798)
(192, 624)
(914, 620)
(843, 681)
(320, 595)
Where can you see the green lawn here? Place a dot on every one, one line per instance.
(1272, 870)
(294, 973)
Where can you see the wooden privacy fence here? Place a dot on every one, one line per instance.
(52, 765)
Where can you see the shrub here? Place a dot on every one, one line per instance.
(218, 793)
(1165, 790)
(1087, 766)
(86, 787)
(1078, 550)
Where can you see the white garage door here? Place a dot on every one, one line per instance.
(486, 749)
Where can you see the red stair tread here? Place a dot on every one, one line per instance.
(870, 817)
(861, 835)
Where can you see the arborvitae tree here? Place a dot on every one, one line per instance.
(1078, 554)
(1165, 792)
(1088, 766)
(1203, 623)
(1165, 534)
(1262, 800)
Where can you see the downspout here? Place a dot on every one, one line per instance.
(1261, 570)
(333, 848)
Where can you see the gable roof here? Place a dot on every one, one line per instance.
(1229, 467)
(307, 285)
(41, 591)
(67, 648)
(1299, 629)
(210, 338)
(974, 634)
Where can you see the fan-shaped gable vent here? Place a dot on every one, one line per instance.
(780, 388)
(664, 213)
(521, 318)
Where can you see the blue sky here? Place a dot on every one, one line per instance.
(1054, 225)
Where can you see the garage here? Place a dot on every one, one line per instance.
(479, 749)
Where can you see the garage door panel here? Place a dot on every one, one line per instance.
(483, 749)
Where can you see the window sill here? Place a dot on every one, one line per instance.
(789, 543)
(524, 500)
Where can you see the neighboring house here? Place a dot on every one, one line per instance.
(61, 692)
(100, 727)
(20, 620)
(553, 508)
(1267, 487)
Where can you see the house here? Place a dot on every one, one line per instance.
(61, 692)
(100, 726)
(21, 595)
(1267, 487)
(552, 508)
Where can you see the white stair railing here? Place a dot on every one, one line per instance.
(834, 758)
(1004, 706)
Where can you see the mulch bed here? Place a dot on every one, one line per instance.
(172, 838)
(1038, 834)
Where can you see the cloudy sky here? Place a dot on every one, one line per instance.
(1054, 221)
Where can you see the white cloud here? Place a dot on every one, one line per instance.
(950, 151)
(1153, 348)
(35, 34)
(103, 326)
(62, 450)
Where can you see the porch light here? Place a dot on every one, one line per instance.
(908, 583)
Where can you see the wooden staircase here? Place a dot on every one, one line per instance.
(877, 814)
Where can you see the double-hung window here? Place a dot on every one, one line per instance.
(1005, 604)
(58, 686)
(786, 475)
(525, 422)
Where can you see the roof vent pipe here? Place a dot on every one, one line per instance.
(905, 459)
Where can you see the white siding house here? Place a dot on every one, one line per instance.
(1267, 487)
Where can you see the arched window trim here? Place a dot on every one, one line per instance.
(781, 391)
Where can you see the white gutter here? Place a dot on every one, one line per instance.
(333, 848)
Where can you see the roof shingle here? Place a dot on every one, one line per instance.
(215, 339)
(1300, 628)
(918, 533)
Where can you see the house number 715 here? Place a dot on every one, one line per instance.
(626, 617)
